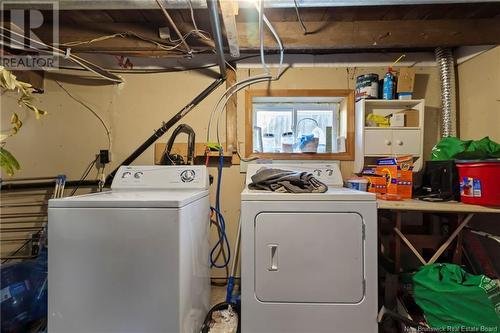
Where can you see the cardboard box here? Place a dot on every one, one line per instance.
(398, 119)
(409, 117)
(376, 184)
(406, 80)
(388, 169)
(398, 175)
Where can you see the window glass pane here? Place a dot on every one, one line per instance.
(271, 125)
(315, 123)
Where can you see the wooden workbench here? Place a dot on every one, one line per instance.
(426, 206)
(464, 211)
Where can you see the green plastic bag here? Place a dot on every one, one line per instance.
(453, 148)
(454, 300)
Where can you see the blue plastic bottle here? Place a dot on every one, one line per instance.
(389, 85)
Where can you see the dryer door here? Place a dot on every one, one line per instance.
(309, 257)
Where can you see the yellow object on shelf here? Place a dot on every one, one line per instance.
(373, 120)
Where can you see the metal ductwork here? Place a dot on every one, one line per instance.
(446, 65)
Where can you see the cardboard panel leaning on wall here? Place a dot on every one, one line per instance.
(479, 96)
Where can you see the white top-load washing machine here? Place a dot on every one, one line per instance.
(133, 259)
(309, 261)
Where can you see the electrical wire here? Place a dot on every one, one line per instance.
(299, 17)
(84, 175)
(261, 36)
(250, 159)
(200, 33)
(90, 41)
(172, 23)
(246, 82)
(80, 61)
(125, 35)
(258, 78)
(108, 133)
(164, 70)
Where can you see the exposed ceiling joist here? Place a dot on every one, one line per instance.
(377, 34)
(325, 36)
(180, 4)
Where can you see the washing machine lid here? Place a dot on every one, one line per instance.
(131, 199)
(333, 194)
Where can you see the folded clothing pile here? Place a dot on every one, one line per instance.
(286, 181)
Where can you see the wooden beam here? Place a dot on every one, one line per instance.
(375, 34)
(231, 113)
(229, 19)
(324, 36)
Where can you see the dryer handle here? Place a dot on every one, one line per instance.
(273, 263)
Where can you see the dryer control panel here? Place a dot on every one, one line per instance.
(161, 177)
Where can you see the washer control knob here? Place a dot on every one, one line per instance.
(138, 174)
(187, 176)
(126, 174)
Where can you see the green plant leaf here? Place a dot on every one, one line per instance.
(28, 103)
(16, 123)
(8, 162)
(8, 80)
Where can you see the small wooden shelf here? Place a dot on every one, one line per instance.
(393, 102)
(181, 149)
(373, 128)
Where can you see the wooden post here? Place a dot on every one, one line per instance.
(231, 114)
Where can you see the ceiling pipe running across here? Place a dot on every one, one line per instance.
(213, 9)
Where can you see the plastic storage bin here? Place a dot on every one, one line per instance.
(479, 182)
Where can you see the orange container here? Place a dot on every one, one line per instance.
(398, 174)
(376, 184)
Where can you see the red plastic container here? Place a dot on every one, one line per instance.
(480, 182)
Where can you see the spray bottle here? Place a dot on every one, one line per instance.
(389, 87)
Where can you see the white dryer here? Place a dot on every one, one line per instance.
(133, 259)
(309, 261)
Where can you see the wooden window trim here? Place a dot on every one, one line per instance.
(348, 155)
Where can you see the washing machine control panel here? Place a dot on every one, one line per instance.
(161, 177)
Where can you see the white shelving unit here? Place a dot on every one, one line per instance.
(376, 142)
